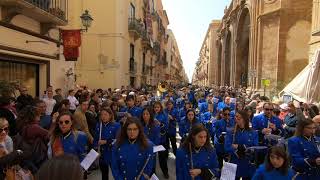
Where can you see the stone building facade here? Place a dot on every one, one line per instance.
(30, 45)
(264, 39)
(127, 44)
(204, 74)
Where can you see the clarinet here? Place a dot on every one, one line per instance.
(144, 166)
(191, 161)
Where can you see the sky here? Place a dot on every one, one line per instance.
(189, 21)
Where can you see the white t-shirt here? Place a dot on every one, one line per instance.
(50, 104)
(73, 102)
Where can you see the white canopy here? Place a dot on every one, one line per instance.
(305, 87)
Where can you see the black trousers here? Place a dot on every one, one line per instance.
(104, 168)
(163, 158)
(173, 142)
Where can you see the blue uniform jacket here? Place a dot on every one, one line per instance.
(172, 123)
(204, 159)
(248, 138)
(261, 121)
(164, 126)
(75, 143)
(109, 132)
(185, 126)
(218, 127)
(301, 149)
(222, 105)
(263, 174)
(134, 111)
(153, 133)
(203, 107)
(207, 118)
(128, 160)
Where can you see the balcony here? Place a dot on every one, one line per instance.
(162, 61)
(53, 12)
(155, 16)
(145, 39)
(156, 48)
(135, 28)
(132, 67)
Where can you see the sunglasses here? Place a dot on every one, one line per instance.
(226, 114)
(6, 129)
(64, 122)
(268, 109)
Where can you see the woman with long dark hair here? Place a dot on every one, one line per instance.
(196, 158)
(304, 150)
(66, 139)
(164, 141)
(186, 123)
(276, 166)
(132, 154)
(237, 144)
(105, 133)
(151, 126)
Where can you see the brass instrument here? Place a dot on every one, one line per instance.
(163, 86)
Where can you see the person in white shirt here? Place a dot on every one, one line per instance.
(50, 102)
(73, 101)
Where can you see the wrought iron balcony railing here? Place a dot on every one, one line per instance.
(45, 11)
(132, 66)
(135, 27)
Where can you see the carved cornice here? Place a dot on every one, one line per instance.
(270, 1)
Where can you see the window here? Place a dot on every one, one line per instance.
(143, 62)
(132, 11)
(131, 51)
(131, 59)
(132, 81)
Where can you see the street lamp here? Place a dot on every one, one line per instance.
(86, 20)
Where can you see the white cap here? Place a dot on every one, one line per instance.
(284, 106)
(117, 90)
(131, 93)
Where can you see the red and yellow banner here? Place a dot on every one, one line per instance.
(71, 43)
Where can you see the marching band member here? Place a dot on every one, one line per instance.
(164, 125)
(131, 108)
(196, 158)
(237, 143)
(226, 103)
(172, 116)
(132, 154)
(208, 117)
(184, 109)
(66, 139)
(276, 166)
(106, 131)
(220, 128)
(304, 149)
(187, 123)
(151, 126)
(266, 124)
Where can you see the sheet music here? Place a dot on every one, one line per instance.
(154, 177)
(89, 159)
(158, 148)
(228, 171)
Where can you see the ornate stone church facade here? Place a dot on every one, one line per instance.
(263, 39)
